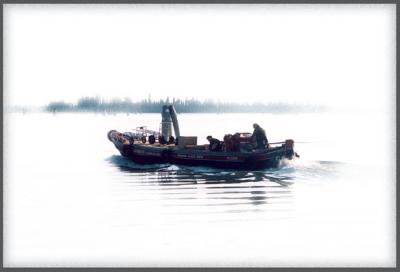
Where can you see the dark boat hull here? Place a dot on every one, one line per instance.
(257, 159)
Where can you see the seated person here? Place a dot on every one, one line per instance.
(215, 144)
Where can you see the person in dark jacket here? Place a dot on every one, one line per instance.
(215, 144)
(260, 137)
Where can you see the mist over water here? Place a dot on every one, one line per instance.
(72, 200)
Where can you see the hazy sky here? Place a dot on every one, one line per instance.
(329, 54)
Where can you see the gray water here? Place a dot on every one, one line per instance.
(70, 199)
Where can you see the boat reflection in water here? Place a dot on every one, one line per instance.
(219, 187)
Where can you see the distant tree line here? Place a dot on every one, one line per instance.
(97, 104)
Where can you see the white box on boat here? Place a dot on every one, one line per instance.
(186, 140)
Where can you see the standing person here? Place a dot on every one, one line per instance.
(259, 135)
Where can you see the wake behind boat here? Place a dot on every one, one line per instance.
(235, 151)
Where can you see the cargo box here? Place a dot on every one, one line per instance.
(186, 140)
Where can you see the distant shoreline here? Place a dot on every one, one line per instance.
(99, 105)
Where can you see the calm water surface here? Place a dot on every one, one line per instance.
(72, 200)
